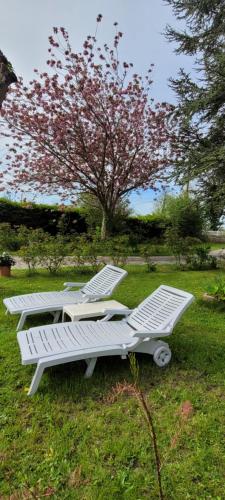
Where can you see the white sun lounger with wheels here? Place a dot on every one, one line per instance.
(139, 331)
(99, 287)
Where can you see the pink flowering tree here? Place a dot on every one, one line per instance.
(88, 124)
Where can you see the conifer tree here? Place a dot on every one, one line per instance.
(201, 100)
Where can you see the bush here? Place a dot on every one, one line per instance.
(27, 236)
(144, 228)
(31, 256)
(200, 259)
(46, 217)
(147, 251)
(42, 249)
(217, 288)
(31, 249)
(196, 256)
(184, 214)
(86, 251)
(52, 253)
(118, 249)
(8, 238)
(180, 247)
(180, 212)
(70, 221)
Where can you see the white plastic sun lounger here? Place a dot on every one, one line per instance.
(88, 340)
(100, 286)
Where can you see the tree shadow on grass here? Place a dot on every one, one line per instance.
(193, 355)
(67, 381)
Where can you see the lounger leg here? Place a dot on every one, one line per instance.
(21, 322)
(36, 379)
(90, 367)
(56, 316)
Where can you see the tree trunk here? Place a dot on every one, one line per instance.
(104, 227)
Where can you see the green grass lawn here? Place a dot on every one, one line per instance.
(69, 442)
(217, 246)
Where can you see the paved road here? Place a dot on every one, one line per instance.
(20, 264)
(158, 259)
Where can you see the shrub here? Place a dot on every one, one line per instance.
(196, 256)
(31, 256)
(217, 288)
(180, 247)
(27, 236)
(118, 249)
(200, 259)
(78, 251)
(39, 248)
(71, 221)
(86, 251)
(36, 216)
(184, 214)
(147, 251)
(8, 237)
(52, 253)
(31, 241)
(144, 228)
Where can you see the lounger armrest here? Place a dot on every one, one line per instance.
(72, 284)
(119, 312)
(151, 333)
(94, 297)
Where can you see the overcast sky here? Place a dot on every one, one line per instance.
(26, 24)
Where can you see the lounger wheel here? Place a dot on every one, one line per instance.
(162, 356)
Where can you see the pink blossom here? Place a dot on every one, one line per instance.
(86, 125)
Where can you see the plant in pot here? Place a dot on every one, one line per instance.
(6, 261)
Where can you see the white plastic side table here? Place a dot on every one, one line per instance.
(90, 309)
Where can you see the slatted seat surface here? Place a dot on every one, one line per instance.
(104, 281)
(56, 344)
(28, 301)
(51, 340)
(159, 309)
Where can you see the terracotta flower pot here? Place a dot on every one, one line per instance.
(5, 271)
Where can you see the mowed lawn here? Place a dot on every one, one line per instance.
(70, 441)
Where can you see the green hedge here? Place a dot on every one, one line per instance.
(47, 217)
(145, 228)
(52, 218)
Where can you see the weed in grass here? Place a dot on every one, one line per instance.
(134, 389)
(184, 412)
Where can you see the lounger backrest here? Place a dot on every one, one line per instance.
(104, 282)
(162, 309)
